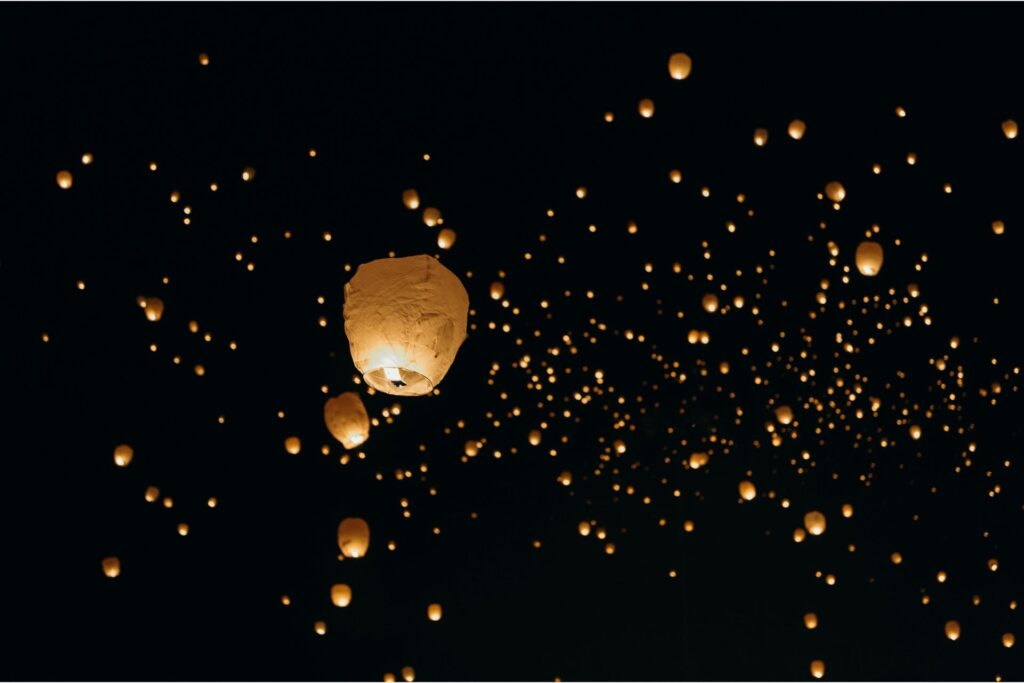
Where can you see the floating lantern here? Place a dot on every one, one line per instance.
(811, 621)
(341, 594)
(814, 522)
(64, 180)
(405, 319)
(646, 108)
(817, 668)
(565, 478)
(411, 199)
(679, 65)
(761, 137)
(408, 674)
(784, 414)
(1008, 640)
(353, 537)
(584, 528)
(835, 191)
(675, 175)
(915, 432)
(446, 238)
(347, 420)
(472, 448)
(847, 510)
(434, 611)
(153, 307)
(953, 630)
(620, 446)
(497, 290)
(869, 258)
(998, 227)
(710, 302)
(797, 128)
(123, 455)
(1010, 129)
(320, 628)
(534, 437)
(747, 490)
(111, 567)
(431, 216)
(248, 173)
(293, 445)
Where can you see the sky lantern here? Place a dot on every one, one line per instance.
(405, 319)
(434, 611)
(747, 490)
(64, 180)
(353, 537)
(835, 191)
(446, 238)
(497, 290)
(1008, 640)
(818, 668)
(123, 455)
(679, 65)
(320, 628)
(346, 419)
(153, 307)
(584, 528)
(709, 302)
(1010, 129)
(761, 137)
(341, 594)
(869, 258)
(248, 173)
(953, 629)
(784, 414)
(998, 227)
(411, 199)
(814, 522)
(293, 445)
(534, 437)
(847, 510)
(408, 674)
(620, 446)
(472, 448)
(811, 621)
(915, 432)
(431, 216)
(698, 460)
(797, 128)
(111, 567)
(565, 478)
(646, 108)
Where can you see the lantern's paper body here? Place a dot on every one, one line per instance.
(353, 537)
(347, 420)
(405, 319)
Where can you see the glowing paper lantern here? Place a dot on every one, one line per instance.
(761, 137)
(869, 258)
(153, 307)
(472, 448)
(123, 455)
(710, 302)
(679, 65)
(248, 173)
(847, 510)
(293, 445)
(814, 522)
(811, 621)
(341, 595)
(434, 611)
(915, 432)
(497, 290)
(320, 628)
(797, 128)
(565, 478)
(405, 319)
(584, 528)
(411, 199)
(346, 419)
(1008, 640)
(1010, 129)
(817, 668)
(835, 191)
(953, 630)
(646, 108)
(408, 674)
(998, 227)
(747, 490)
(784, 414)
(534, 437)
(353, 537)
(111, 567)
(446, 238)
(431, 216)
(64, 180)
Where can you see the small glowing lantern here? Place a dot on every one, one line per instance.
(679, 65)
(347, 420)
(797, 128)
(818, 668)
(411, 199)
(446, 238)
(341, 594)
(293, 445)
(434, 611)
(646, 108)
(835, 191)
(710, 303)
(784, 414)
(123, 455)
(747, 490)
(953, 630)
(64, 180)
(869, 258)
(353, 537)
(814, 522)
(111, 567)
(1010, 129)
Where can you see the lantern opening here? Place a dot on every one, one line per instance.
(398, 381)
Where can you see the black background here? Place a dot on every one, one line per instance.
(507, 100)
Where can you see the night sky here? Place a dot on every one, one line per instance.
(238, 162)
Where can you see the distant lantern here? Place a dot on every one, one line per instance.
(814, 522)
(64, 180)
(248, 173)
(869, 258)
(565, 478)
(620, 446)
(747, 490)
(431, 216)
(811, 621)
(679, 65)
(123, 455)
(534, 437)
(408, 674)
(847, 510)
(584, 528)
(818, 668)
(761, 137)
(411, 199)
(710, 303)
(1010, 129)
(497, 290)
(111, 567)
(154, 308)
(353, 537)
(434, 611)
(472, 448)
(446, 238)
(953, 630)
(835, 191)
(915, 432)
(799, 535)
(1008, 640)
(797, 128)
(293, 445)
(320, 628)
(646, 108)
(204, 59)
(896, 558)
(405, 319)
(341, 595)
(675, 175)
(784, 414)
(998, 227)
(346, 419)
(698, 460)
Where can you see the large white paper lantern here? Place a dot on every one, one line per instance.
(405, 319)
